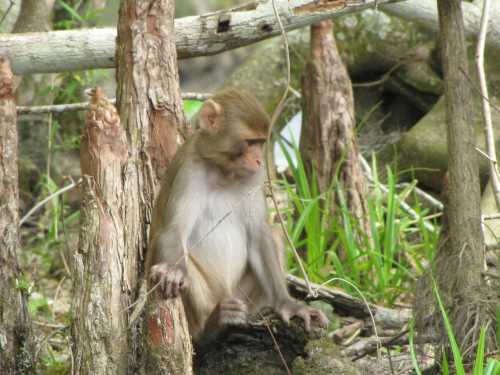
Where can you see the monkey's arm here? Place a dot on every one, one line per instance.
(172, 226)
(265, 264)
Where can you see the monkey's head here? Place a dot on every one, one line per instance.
(234, 128)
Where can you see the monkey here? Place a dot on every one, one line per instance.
(210, 242)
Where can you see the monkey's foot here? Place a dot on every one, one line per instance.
(232, 312)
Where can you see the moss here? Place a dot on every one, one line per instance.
(323, 358)
(422, 152)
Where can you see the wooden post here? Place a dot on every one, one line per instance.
(101, 290)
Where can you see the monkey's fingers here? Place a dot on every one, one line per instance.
(285, 315)
(175, 284)
(164, 287)
(184, 284)
(320, 317)
(304, 314)
(170, 286)
(156, 273)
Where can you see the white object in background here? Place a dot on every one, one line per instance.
(291, 132)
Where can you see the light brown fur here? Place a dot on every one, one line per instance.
(210, 242)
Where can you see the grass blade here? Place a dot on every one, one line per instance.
(457, 356)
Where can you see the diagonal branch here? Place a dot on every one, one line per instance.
(488, 125)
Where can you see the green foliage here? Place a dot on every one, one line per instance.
(497, 316)
(384, 262)
(492, 365)
(47, 243)
(457, 356)
(191, 107)
(23, 284)
(413, 354)
(55, 364)
(38, 304)
(74, 15)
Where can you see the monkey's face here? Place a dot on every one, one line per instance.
(247, 157)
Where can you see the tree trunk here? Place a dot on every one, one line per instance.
(460, 259)
(328, 144)
(16, 347)
(101, 293)
(150, 107)
(35, 15)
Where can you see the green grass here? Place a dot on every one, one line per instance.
(383, 263)
(492, 365)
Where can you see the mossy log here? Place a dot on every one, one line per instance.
(269, 347)
(422, 152)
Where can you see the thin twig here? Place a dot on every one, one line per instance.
(435, 203)
(477, 90)
(12, 2)
(483, 153)
(44, 340)
(488, 126)
(56, 295)
(385, 77)
(490, 217)
(49, 198)
(365, 301)
(50, 325)
(276, 113)
(60, 108)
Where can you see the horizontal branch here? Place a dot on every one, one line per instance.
(73, 107)
(424, 13)
(208, 34)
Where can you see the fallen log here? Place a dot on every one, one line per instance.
(216, 32)
(345, 304)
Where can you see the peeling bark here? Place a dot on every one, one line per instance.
(100, 283)
(328, 144)
(203, 35)
(150, 107)
(15, 326)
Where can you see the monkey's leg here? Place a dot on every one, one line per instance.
(227, 313)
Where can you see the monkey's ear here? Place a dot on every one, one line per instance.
(209, 115)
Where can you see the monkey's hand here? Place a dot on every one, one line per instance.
(289, 308)
(171, 279)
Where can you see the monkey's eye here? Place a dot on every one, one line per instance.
(239, 150)
(255, 141)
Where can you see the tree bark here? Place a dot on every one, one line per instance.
(425, 13)
(328, 144)
(460, 259)
(16, 345)
(100, 291)
(203, 35)
(150, 107)
(35, 15)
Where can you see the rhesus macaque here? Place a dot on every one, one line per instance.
(210, 242)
